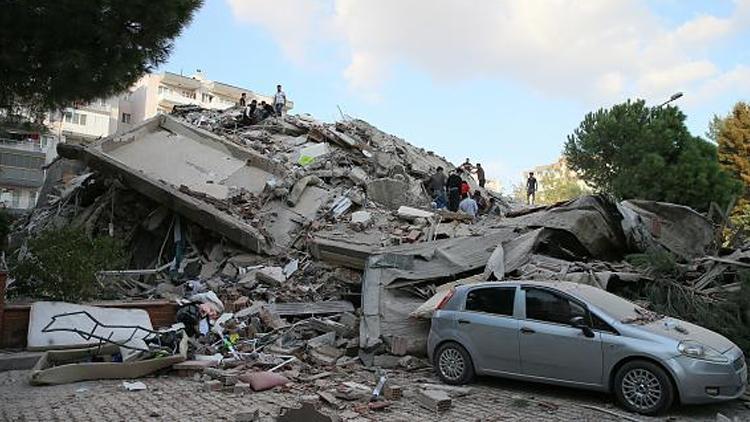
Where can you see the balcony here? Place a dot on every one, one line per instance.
(26, 145)
(171, 98)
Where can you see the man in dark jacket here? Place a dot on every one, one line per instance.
(454, 190)
(437, 187)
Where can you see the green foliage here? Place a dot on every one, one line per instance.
(6, 220)
(727, 315)
(632, 151)
(555, 189)
(657, 263)
(62, 265)
(732, 133)
(55, 53)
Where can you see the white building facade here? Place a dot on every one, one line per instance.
(151, 95)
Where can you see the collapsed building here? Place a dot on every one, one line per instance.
(303, 229)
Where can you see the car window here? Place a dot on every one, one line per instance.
(493, 300)
(600, 325)
(544, 305)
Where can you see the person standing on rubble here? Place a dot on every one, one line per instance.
(469, 206)
(437, 187)
(479, 199)
(249, 116)
(467, 166)
(531, 187)
(465, 188)
(266, 110)
(454, 190)
(480, 175)
(279, 101)
(243, 100)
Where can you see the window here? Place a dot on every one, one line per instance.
(74, 118)
(492, 300)
(599, 324)
(207, 98)
(544, 305)
(15, 201)
(126, 118)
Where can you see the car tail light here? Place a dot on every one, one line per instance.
(446, 298)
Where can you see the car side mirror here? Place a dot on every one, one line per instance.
(580, 322)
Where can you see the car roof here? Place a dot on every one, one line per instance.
(564, 286)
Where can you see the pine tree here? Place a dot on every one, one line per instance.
(633, 151)
(56, 53)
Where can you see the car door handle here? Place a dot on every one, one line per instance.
(464, 321)
(525, 330)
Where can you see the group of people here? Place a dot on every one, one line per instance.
(454, 193)
(254, 113)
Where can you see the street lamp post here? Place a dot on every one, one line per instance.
(672, 98)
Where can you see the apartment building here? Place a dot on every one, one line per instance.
(558, 170)
(153, 94)
(23, 155)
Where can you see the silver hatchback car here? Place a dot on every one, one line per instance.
(581, 336)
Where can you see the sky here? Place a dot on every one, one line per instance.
(502, 82)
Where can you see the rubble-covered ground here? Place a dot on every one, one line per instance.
(320, 243)
(171, 398)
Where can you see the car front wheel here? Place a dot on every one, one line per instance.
(453, 364)
(643, 387)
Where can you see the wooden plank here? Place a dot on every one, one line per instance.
(312, 308)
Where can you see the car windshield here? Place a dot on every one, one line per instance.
(613, 305)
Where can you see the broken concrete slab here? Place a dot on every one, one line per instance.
(391, 193)
(273, 276)
(676, 228)
(361, 218)
(410, 213)
(165, 159)
(586, 226)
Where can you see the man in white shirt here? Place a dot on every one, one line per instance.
(469, 206)
(279, 101)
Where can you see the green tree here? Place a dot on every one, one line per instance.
(55, 53)
(562, 188)
(62, 265)
(633, 151)
(732, 134)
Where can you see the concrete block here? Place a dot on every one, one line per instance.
(18, 361)
(213, 385)
(399, 345)
(433, 400)
(241, 388)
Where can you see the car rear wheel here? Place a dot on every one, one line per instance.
(453, 364)
(643, 387)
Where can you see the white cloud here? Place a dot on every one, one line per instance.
(296, 25)
(597, 50)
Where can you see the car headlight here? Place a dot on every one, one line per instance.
(697, 350)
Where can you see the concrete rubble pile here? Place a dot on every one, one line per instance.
(299, 249)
